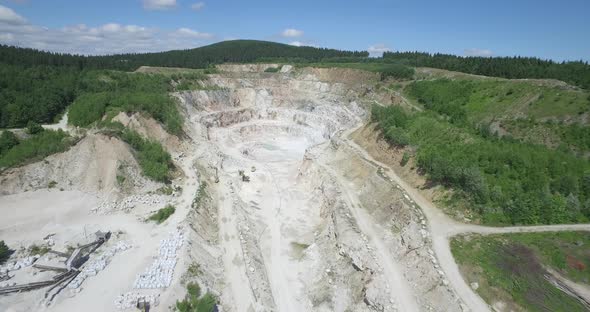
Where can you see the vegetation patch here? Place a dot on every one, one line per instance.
(38, 250)
(272, 70)
(120, 179)
(162, 214)
(510, 267)
(194, 302)
(35, 148)
(153, 159)
(194, 269)
(5, 252)
(385, 70)
(165, 190)
(7, 141)
(201, 195)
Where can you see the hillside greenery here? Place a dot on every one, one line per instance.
(516, 106)
(153, 159)
(37, 85)
(504, 180)
(510, 267)
(386, 70)
(576, 73)
(34, 148)
(116, 91)
(34, 93)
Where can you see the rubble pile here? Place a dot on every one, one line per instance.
(129, 202)
(160, 273)
(19, 264)
(131, 299)
(92, 268)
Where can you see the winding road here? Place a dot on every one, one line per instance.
(442, 228)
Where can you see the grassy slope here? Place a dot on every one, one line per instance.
(524, 109)
(509, 267)
(35, 148)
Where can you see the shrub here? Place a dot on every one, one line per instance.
(405, 159)
(162, 214)
(4, 252)
(397, 136)
(272, 69)
(88, 108)
(201, 195)
(33, 127)
(38, 250)
(7, 141)
(193, 302)
(397, 71)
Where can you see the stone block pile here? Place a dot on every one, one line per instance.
(92, 268)
(19, 264)
(160, 273)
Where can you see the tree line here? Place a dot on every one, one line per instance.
(235, 51)
(517, 67)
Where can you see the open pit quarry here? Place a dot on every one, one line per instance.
(277, 209)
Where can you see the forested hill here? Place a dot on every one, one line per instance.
(575, 73)
(238, 51)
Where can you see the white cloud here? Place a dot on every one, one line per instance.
(302, 44)
(109, 38)
(478, 52)
(187, 32)
(8, 16)
(159, 4)
(292, 33)
(6, 37)
(377, 50)
(198, 6)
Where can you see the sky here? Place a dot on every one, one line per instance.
(558, 30)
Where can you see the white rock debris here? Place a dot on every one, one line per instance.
(130, 202)
(92, 268)
(130, 299)
(160, 273)
(19, 264)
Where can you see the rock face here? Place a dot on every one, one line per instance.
(92, 165)
(316, 227)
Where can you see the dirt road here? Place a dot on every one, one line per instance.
(442, 228)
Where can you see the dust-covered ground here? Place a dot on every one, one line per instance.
(274, 210)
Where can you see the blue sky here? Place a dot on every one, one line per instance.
(558, 30)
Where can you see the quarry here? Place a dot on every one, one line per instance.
(279, 207)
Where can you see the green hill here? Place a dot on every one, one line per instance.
(238, 51)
